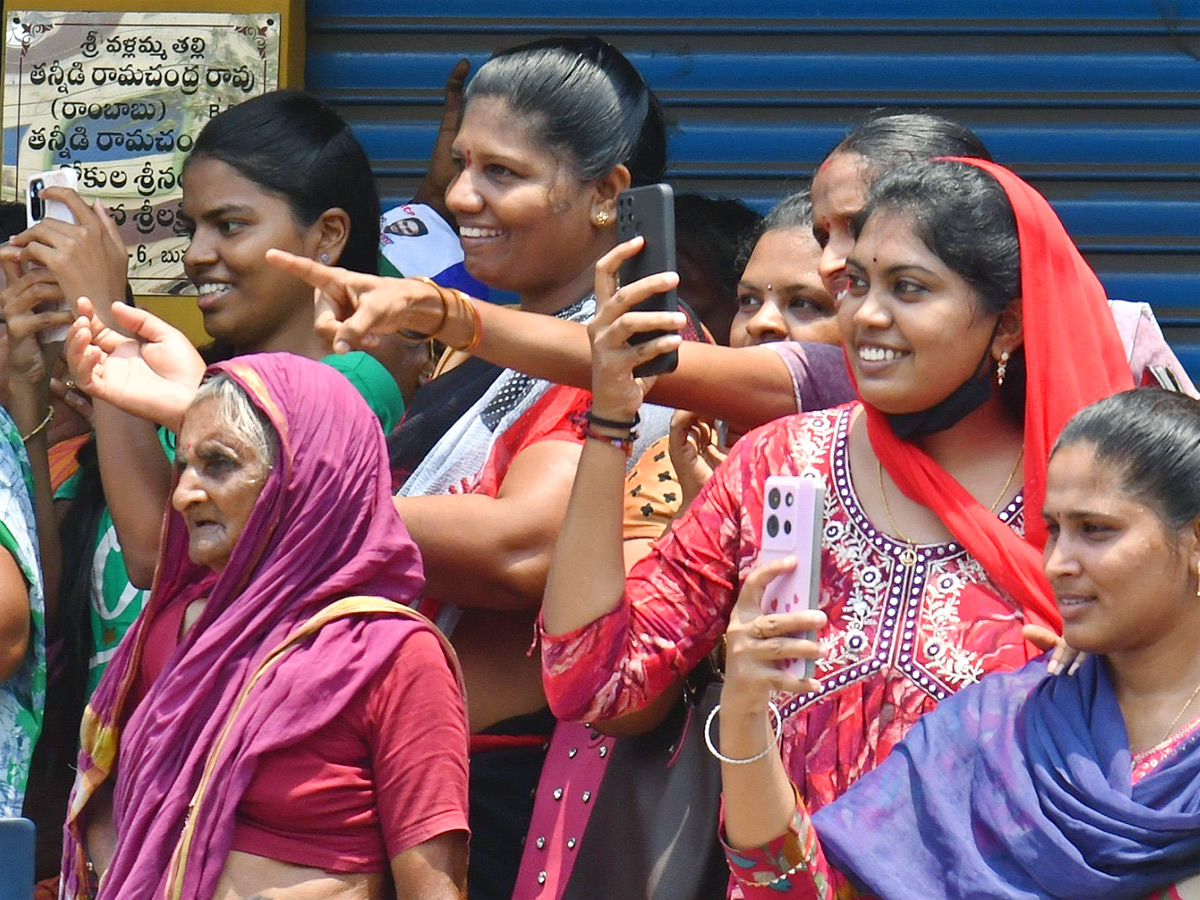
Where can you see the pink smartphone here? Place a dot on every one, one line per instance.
(793, 514)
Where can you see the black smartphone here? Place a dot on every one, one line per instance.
(650, 212)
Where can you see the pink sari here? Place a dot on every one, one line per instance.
(323, 529)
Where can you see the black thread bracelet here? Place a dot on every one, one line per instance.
(615, 424)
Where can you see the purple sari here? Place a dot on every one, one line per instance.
(323, 528)
(1019, 787)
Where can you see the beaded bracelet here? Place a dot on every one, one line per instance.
(40, 427)
(624, 443)
(712, 748)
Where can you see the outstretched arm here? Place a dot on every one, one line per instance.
(136, 381)
(746, 387)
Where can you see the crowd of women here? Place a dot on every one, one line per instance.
(266, 609)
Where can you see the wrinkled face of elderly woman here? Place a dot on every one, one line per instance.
(221, 474)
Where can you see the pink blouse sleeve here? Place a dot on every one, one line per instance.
(676, 606)
(791, 867)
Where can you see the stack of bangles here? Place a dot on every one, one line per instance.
(601, 429)
(460, 299)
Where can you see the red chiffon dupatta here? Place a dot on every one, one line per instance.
(1073, 357)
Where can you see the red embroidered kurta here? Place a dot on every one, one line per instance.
(899, 638)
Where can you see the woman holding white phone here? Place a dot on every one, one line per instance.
(930, 566)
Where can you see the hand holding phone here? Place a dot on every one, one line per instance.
(37, 208)
(649, 211)
(793, 515)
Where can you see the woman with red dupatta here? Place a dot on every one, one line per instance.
(278, 720)
(973, 338)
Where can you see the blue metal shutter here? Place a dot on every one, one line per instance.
(1097, 102)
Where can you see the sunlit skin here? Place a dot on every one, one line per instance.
(1122, 579)
(1126, 586)
(524, 216)
(913, 328)
(839, 194)
(220, 478)
(781, 296)
(244, 300)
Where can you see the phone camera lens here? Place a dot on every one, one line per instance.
(787, 527)
(788, 499)
(772, 526)
(773, 498)
(35, 198)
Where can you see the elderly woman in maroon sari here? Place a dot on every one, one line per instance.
(278, 719)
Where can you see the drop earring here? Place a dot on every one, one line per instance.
(1002, 369)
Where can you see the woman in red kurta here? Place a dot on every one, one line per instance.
(929, 565)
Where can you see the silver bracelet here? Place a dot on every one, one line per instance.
(712, 748)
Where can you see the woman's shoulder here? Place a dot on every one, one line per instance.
(417, 641)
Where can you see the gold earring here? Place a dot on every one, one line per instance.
(602, 218)
(1002, 369)
(1198, 580)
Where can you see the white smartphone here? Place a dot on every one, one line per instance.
(38, 208)
(793, 516)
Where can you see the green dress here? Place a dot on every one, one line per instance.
(23, 696)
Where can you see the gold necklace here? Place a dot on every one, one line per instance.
(1179, 715)
(908, 555)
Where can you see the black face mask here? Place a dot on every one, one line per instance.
(967, 398)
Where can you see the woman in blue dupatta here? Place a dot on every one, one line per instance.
(1029, 785)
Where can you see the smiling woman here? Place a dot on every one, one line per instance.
(551, 133)
(1028, 785)
(281, 170)
(930, 565)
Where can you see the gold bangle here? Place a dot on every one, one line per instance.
(463, 300)
(41, 426)
(441, 292)
(476, 322)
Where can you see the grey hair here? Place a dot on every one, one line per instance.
(248, 422)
